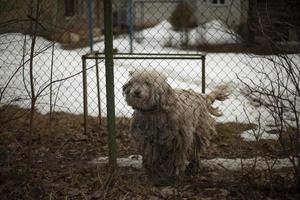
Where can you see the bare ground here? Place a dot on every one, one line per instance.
(60, 167)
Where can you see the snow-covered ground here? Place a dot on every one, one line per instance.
(67, 94)
(259, 163)
(213, 32)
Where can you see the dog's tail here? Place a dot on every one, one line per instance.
(220, 93)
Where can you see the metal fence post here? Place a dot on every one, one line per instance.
(130, 22)
(203, 74)
(85, 108)
(98, 90)
(109, 74)
(90, 24)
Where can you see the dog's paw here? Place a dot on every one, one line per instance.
(192, 168)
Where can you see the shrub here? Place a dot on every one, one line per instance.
(182, 18)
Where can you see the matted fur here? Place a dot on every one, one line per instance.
(172, 126)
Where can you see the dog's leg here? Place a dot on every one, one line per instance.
(194, 165)
(154, 161)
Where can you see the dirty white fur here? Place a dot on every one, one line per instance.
(172, 126)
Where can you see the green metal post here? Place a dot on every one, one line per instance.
(109, 73)
(85, 108)
(130, 21)
(203, 74)
(90, 24)
(98, 91)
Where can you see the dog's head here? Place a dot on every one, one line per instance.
(146, 90)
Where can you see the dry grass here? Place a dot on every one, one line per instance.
(61, 168)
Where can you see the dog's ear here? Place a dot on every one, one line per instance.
(166, 96)
(126, 88)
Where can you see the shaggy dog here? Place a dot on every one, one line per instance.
(172, 126)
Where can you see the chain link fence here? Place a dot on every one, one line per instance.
(220, 29)
(52, 59)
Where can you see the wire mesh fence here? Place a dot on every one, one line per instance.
(220, 29)
(52, 59)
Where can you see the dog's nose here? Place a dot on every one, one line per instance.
(137, 92)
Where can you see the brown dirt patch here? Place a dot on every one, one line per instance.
(60, 167)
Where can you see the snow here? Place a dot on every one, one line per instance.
(221, 68)
(258, 163)
(255, 135)
(213, 32)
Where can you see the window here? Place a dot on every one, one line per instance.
(73, 7)
(216, 2)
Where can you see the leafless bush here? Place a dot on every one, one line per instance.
(277, 90)
(182, 19)
(26, 63)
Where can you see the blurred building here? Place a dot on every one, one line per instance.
(230, 12)
(63, 19)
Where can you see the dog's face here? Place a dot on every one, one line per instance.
(137, 93)
(144, 90)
